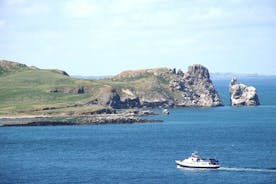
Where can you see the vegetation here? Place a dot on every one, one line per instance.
(7, 67)
(25, 90)
(31, 91)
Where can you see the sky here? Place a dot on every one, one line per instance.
(105, 37)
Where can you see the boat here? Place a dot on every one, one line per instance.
(195, 161)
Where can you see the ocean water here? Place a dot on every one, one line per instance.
(243, 139)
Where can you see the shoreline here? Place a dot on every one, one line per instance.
(60, 120)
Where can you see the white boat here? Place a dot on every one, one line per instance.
(195, 161)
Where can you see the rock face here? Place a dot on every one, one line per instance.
(108, 96)
(59, 72)
(195, 87)
(158, 87)
(240, 94)
(161, 87)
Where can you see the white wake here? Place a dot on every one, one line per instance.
(232, 169)
(245, 169)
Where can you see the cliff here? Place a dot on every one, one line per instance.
(161, 87)
(195, 88)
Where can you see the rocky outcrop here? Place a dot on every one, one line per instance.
(195, 87)
(109, 96)
(156, 103)
(60, 72)
(240, 94)
(158, 87)
(161, 87)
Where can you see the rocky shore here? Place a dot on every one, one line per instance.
(97, 119)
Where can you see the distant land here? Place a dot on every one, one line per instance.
(229, 76)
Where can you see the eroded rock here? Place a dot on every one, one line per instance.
(240, 94)
(195, 87)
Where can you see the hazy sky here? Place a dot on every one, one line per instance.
(104, 37)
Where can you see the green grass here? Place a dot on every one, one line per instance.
(76, 111)
(8, 67)
(25, 90)
(29, 90)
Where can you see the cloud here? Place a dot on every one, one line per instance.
(208, 14)
(130, 6)
(137, 28)
(27, 8)
(15, 2)
(139, 1)
(80, 8)
(2, 23)
(34, 9)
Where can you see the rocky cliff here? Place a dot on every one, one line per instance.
(240, 94)
(160, 87)
(195, 87)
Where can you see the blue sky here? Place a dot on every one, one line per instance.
(104, 37)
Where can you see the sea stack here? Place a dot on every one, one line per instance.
(242, 95)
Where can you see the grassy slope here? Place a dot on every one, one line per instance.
(146, 86)
(8, 67)
(25, 90)
(28, 90)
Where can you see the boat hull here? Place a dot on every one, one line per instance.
(181, 164)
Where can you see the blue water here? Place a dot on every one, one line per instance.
(243, 139)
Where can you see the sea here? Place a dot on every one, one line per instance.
(243, 139)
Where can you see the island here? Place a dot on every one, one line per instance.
(33, 96)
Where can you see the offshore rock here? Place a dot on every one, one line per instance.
(240, 94)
